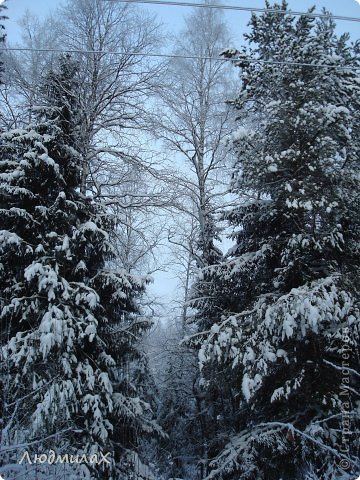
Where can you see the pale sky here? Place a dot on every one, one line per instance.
(171, 16)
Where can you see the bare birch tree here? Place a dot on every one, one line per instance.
(193, 121)
(116, 75)
(26, 69)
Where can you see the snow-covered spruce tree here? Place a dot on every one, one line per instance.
(289, 289)
(68, 321)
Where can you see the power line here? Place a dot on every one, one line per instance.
(242, 9)
(172, 55)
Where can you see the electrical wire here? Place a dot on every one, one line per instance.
(171, 55)
(243, 9)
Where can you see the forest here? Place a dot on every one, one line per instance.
(232, 171)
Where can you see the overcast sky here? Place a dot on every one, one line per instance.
(171, 16)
